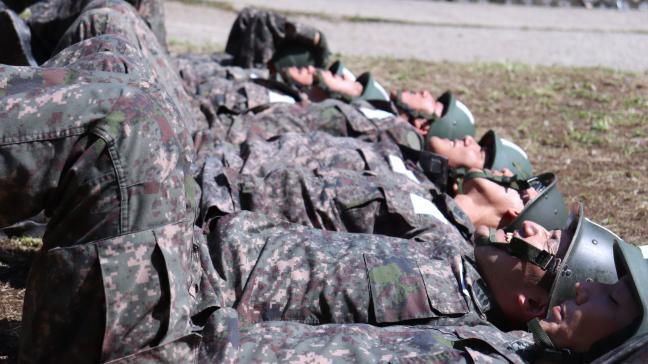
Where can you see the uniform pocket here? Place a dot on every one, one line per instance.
(397, 289)
(182, 350)
(442, 288)
(147, 280)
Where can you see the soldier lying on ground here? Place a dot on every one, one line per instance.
(281, 271)
(600, 314)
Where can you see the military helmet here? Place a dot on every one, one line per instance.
(502, 153)
(455, 122)
(547, 209)
(290, 55)
(589, 258)
(628, 260)
(338, 69)
(371, 89)
(633, 261)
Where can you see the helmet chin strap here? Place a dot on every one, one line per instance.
(515, 182)
(548, 351)
(522, 250)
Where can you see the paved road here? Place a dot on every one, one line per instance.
(456, 32)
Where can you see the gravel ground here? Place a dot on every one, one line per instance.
(439, 31)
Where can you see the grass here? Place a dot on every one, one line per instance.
(589, 125)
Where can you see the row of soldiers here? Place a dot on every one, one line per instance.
(258, 206)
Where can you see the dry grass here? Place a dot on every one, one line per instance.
(15, 258)
(588, 125)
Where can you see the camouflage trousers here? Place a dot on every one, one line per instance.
(49, 19)
(281, 342)
(121, 269)
(118, 18)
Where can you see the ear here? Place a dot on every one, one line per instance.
(455, 188)
(531, 305)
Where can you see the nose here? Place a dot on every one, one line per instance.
(529, 228)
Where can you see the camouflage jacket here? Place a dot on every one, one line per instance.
(196, 69)
(331, 116)
(384, 203)
(274, 342)
(633, 351)
(275, 270)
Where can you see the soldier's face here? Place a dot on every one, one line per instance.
(422, 101)
(301, 75)
(598, 311)
(515, 284)
(466, 152)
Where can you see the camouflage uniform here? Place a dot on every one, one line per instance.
(120, 268)
(48, 19)
(118, 18)
(366, 201)
(281, 271)
(256, 34)
(331, 116)
(633, 351)
(274, 342)
(196, 69)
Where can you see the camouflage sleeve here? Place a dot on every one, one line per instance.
(314, 150)
(270, 342)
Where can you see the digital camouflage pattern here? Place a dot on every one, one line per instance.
(49, 19)
(273, 342)
(281, 271)
(120, 250)
(196, 69)
(256, 34)
(118, 18)
(316, 150)
(331, 116)
(338, 200)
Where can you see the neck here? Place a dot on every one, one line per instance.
(478, 211)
